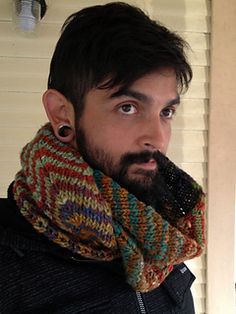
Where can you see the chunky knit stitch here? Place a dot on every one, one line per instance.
(87, 212)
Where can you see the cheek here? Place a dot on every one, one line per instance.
(110, 135)
(168, 133)
(106, 138)
(115, 142)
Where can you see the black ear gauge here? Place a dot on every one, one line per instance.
(64, 130)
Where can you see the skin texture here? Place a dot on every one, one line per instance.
(120, 121)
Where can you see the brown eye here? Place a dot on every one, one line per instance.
(168, 113)
(127, 109)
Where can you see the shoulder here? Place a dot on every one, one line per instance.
(4, 210)
(10, 216)
(7, 207)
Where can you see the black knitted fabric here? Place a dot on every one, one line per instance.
(179, 194)
(36, 276)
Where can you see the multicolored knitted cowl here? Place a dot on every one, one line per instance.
(85, 211)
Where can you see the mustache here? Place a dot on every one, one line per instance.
(138, 158)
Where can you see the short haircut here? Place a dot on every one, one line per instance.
(104, 46)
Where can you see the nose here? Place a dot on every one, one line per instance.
(155, 135)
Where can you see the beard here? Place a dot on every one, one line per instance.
(168, 189)
(147, 186)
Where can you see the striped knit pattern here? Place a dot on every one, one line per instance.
(85, 211)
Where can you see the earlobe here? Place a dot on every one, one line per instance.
(60, 113)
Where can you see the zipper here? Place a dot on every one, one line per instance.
(140, 302)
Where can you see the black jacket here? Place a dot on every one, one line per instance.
(37, 276)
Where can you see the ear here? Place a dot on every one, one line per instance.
(60, 112)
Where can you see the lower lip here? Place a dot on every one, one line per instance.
(151, 165)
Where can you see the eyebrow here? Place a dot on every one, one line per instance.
(141, 97)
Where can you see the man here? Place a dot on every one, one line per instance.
(98, 220)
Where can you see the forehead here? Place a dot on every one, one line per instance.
(161, 85)
(162, 82)
(156, 79)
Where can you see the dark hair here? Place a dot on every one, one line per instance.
(114, 44)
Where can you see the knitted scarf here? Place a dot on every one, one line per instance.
(87, 212)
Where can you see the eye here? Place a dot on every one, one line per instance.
(168, 112)
(127, 109)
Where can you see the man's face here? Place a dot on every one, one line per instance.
(121, 129)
